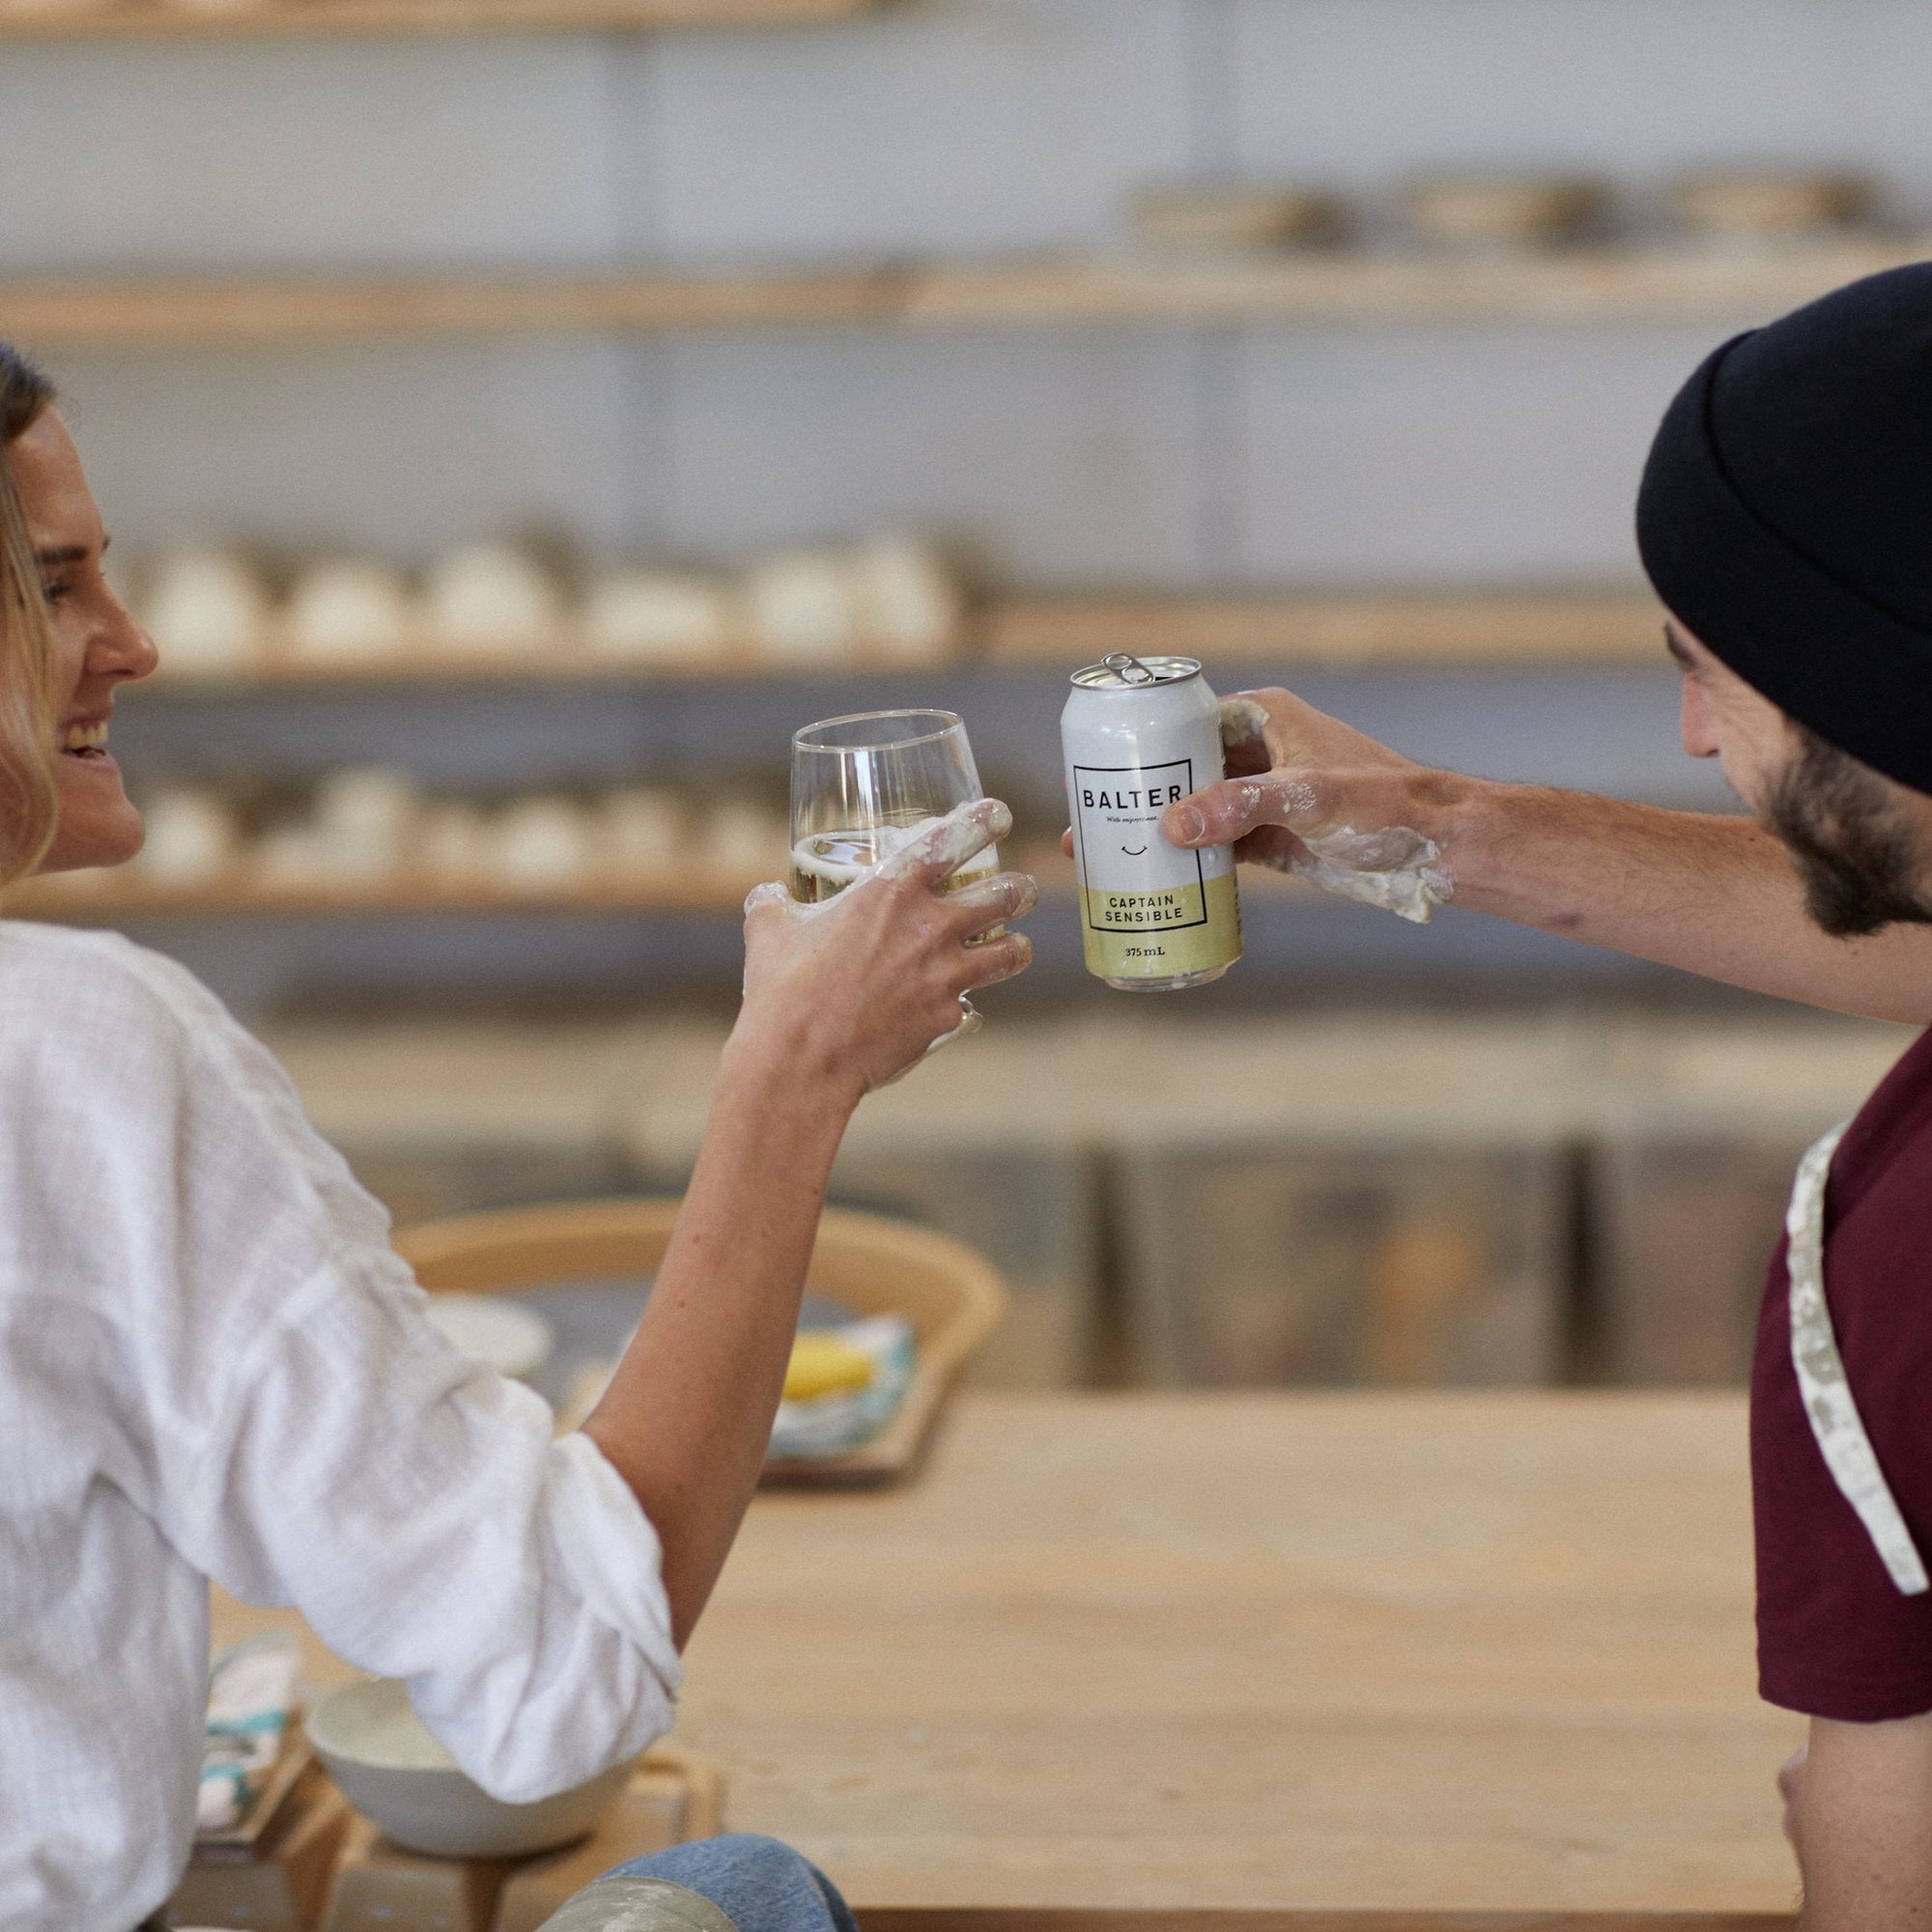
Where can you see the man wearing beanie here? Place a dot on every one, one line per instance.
(1785, 520)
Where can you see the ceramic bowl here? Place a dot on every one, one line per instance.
(1237, 218)
(1770, 205)
(393, 1772)
(1503, 212)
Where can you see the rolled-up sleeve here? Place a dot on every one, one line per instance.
(417, 1508)
(300, 1431)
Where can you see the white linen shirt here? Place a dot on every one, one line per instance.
(212, 1364)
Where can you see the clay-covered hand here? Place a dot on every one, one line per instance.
(859, 986)
(1307, 794)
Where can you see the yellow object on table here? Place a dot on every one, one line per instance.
(824, 1363)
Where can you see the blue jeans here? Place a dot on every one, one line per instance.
(760, 1885)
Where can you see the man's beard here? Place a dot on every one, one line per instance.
(1859, 865)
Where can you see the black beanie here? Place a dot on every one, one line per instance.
(1786, 516)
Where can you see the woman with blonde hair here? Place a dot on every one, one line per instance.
(29, 795)
(214, 1365)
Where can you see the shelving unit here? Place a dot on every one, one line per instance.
(259, 19)
(1024, 634)
(1660, 284)
(561, 713)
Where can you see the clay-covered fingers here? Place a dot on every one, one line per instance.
(1264, 731)
(1222, 813)
(1271, 846)
(992, 960)
(876, 974)
(938, 850)
(768, 901)
(1352, 831)
(1261, 729)
(1283, 758)
(990, 902)
(1244, 745)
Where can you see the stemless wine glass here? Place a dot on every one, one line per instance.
(863, 785)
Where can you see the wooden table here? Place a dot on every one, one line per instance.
(1420, 1654)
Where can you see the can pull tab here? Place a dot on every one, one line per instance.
(1129, 668)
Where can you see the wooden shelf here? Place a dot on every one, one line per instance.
(564, 662)
(1651, 283)
(86, 899)
(106, 900)
(1553, 628)
(1580, 286)
(1469, 629)
(155, 315)
(103, 898)
(257, 20)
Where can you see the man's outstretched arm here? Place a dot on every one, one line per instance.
(1713, 893)
(1710, 893)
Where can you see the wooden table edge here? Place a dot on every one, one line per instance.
(1027, 1918)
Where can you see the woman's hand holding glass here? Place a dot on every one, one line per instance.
(858, 987)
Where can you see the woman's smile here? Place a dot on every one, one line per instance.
(86, 739)
(98, 647)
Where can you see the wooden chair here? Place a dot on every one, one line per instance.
(952, 1298)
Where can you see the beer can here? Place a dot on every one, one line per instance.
(1139, 734)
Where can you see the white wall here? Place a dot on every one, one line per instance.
(965, 126)
(1128, 456)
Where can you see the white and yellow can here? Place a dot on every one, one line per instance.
(1139, 734)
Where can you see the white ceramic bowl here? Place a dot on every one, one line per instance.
(1485, 211)
(1237, 217)
(393, 1772)
(1771, 204)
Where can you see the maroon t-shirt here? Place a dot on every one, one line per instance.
(1835, 1636)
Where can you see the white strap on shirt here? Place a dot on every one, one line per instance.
(1833, 1414)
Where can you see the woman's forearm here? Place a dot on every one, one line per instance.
(839, 999)
(688, 1414)
(1710, 893)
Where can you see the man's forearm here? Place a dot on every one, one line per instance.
(1709, 893)
(687, 1418)
(1857, 1823)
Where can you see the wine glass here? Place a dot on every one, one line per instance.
(863, 785)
